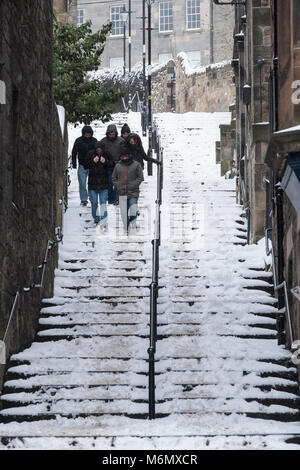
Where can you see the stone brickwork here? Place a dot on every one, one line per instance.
(223, 21)
(161, 87)
(208, 89)
(292, 256)
(33, 162)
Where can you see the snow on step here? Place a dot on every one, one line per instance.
(70, 407)
(217, 359)
(97, 330)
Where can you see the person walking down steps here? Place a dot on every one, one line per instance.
(136, 149)
(125, 131)
(127, 177)
(82, 146)
(99, 166)
(111, 145)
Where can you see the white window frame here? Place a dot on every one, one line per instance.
(120, 26)
(80, 17)
(119, 62)
(169, 6)
(193, 4)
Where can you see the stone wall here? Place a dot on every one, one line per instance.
(292, 256)
(207, 89)
(161, 87)
(66, 10)
(223, 20)
(32, 164)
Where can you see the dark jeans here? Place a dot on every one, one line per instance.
(94, 195)
(128, 209)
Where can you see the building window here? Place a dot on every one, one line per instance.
(166, 16)
(296, 22)
(80, 17)
(192, 14)
(117, 23)
(116, 62)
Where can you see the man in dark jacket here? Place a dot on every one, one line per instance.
(111, 145)
(98, 166)
(127, 177)
(81, 147)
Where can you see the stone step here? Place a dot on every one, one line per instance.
(101, 292)
(96, 398)
(130, 329)
(92, 408)
(80, 393)
(246, 441)
(67, 319)
(73, 379)
(21, 369)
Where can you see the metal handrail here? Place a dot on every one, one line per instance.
(244, 197)
(270, 251)
(278, 287)
(50, 246)
(130, 101)
(154, 282)
(294, 345)
(14, 307)
(246, 207)
(2, 343)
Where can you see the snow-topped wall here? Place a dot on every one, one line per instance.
(200, 89)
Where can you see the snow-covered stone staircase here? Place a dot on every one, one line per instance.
(89, 357)
(220, 351)
(83, 382)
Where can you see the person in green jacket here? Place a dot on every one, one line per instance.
(127, 177)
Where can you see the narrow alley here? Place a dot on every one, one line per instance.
(222, 381)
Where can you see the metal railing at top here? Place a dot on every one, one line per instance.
(277, 287)
(128, 107)
(32, 285)
(246, 207)
(154, 286)
(270, 251)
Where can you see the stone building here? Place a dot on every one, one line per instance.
(196, 27)
(283, 158)
(66, 10)
(266, 64)
(32, 167)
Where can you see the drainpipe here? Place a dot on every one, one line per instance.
(212, 58)
(275, 66)
(280, 261)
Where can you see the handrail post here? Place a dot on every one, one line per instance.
(154, 283)
(16, 301)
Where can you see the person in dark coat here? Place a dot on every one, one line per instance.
(135, 147)
(82, 146)
(111, 146)
(127, 177)
(125, 131)
(98, 165)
